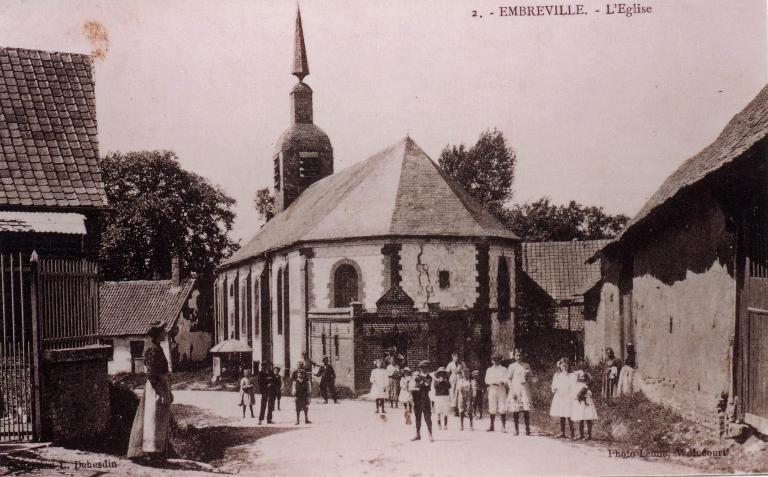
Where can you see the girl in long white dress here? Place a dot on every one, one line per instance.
(561, 395)
(582, 406)
(519, 397)
(379, 385)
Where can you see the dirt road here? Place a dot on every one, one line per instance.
(349, 439)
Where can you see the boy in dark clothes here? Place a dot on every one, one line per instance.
(278, 386)
(302, 390)
(267, 389)
(327, 377)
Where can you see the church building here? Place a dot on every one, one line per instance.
(388, 253)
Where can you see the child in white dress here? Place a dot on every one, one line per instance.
(519, 397)
(561, 395)
(379, 385)
(582, 406)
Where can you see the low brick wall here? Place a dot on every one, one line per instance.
(75, 393)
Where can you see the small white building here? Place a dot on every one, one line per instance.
(128, 308)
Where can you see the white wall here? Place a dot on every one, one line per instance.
(421, 261)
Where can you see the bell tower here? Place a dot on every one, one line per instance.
(304, 154)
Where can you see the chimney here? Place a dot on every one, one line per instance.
(176, 269)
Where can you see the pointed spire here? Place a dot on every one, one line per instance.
(300, 65)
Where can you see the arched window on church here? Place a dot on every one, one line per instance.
(344, 286)
(279, 301)
(503, 293)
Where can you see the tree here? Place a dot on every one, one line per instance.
(542, 221)
(486, 170)
(157, 210)
(264, 202)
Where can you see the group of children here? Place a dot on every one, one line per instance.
(457, 390)
(270, 387)
(572, 400)
(453, 389)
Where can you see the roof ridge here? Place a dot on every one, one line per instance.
(37, 50)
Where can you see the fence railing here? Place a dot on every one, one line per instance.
(45, 304)
(68, 307)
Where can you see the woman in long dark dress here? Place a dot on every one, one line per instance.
(149, 434)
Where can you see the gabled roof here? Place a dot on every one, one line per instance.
(742, 132)
(560, 268)
(398, 191)
(49, 154)
(129, 307)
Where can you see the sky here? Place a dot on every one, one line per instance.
(599, 108)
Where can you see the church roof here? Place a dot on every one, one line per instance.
(397, 192)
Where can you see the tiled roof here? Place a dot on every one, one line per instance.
(742, 132)
(128, 308)
(48, 144)
(560, 268)
(398, 191)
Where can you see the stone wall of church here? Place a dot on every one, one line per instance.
(422, 263)
(366, 258)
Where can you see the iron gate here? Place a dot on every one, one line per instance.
(16, 350)
(46, 304)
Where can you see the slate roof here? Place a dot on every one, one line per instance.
(560, 268)
(745, 129)
(129, 307)
(398, 191)
(49, 154)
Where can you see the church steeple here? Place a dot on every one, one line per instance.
(300, 64)
(304, 154)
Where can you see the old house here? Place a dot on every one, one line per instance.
(53, 373)
(389, 252)
(687, 280)
(129, 307)
(551, 303)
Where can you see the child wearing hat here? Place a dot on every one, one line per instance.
(561, 395)
(466, 391)
(442, 397)
(419, 385)
(302, 392)
(477, 399)
(582, 406)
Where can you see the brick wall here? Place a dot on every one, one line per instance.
(75, 393)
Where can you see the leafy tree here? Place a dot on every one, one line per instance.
(158, 210)
(264, 202)
(486, 170)
(543, 221)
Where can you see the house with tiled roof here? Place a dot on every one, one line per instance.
(128, 308)
(387, 253)
(551, 285)
(51, 198)
(687, 280)
(51, 189)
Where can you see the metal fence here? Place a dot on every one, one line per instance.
(46, 304)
